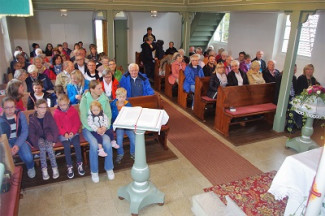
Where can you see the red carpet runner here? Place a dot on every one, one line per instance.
(217, 162)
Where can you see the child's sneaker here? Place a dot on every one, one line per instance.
(81, 170)
(94, 177)
(118, 159)
(132, 156)
(110, 174)
(45, 174)
(31, 172)
(114, 144)
(102, 153)
(70, 172)
(55, 173)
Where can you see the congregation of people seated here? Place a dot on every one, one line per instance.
(83, 78)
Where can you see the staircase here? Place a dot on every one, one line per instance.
(203, 27)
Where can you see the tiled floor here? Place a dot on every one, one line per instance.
(178, 179)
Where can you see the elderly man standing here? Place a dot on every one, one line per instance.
(270, 74)
(64, 78)
(135, 83)
(259, 56)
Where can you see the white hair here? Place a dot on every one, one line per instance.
(32, 68)
(133, 65)
(38, 51)
(234, 62)
(18, 73)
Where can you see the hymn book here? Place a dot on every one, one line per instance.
(139, 118)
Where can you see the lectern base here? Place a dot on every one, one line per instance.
(139, 199)
(300, 144)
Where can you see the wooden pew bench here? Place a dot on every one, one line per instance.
(200, 98)
(182, 95)
(168, 86)
(248, 100)
(153, 102)
(158, 79)
(58, 146)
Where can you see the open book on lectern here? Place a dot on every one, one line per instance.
(139, 118)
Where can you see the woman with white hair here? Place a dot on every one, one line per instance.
(21, 75)
(34, 75)
(191, 72)
(254, 75)
(236, 77)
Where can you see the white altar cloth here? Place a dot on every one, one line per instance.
(294, 180)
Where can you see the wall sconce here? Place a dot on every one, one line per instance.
(64, 12)
(154, 13)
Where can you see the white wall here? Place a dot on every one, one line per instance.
(50, 27)
(254, 31)
(166, 27)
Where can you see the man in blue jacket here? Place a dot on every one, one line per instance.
(135, 83)
(14, 125)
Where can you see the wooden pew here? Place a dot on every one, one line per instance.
(157, 78)
(58, 146)
(139, 62)
(168, 86)
(10, 199)
(200, 98)
(182, 95)
(153, 102)
(248, 100)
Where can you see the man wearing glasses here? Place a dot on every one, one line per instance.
(81, 64)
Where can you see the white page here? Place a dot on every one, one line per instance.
(149, 118)
(128, 116)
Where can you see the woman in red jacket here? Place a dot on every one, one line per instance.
(109, 84)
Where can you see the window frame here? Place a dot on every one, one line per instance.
(285, 26)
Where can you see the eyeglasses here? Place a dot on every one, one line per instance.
(8, 108)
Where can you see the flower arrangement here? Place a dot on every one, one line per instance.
(315, 90)
(310, 103)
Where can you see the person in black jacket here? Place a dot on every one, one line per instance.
(306, 79)
(149, 35)
(171, 50)
(147, 59)
(259, 56)
(270, 74)
(160, 50)
(236, 77)
(39, 93)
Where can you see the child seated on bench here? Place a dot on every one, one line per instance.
(116, 106)
(14, 124)
(43, 134)
(96, 120)
(68, 122)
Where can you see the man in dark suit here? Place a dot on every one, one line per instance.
(270, 74)
(259, 56)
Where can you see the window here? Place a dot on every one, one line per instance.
(307, 36)
(222, 32)
(99, 35)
